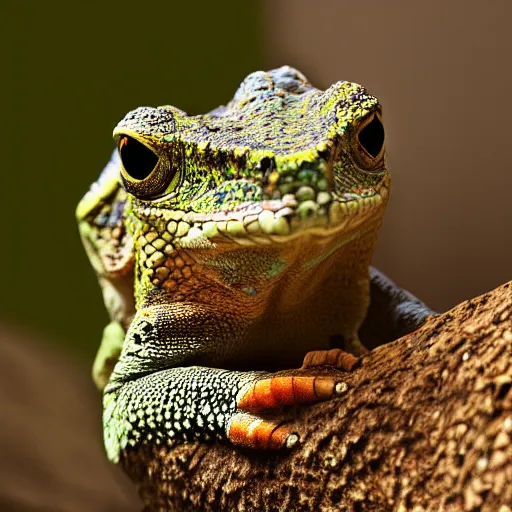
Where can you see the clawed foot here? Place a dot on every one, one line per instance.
(249, 430)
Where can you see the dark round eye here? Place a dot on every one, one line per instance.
(138, 160)
(144, 173)
(371, 137)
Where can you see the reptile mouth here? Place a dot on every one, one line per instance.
(276, 220)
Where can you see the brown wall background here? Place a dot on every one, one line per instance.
(442, 70)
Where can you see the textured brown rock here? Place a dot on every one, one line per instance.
(425, 424)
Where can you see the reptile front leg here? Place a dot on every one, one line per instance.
(153, 397)
(393, 312)
(184, 403)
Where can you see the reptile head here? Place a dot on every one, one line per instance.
(281, 159)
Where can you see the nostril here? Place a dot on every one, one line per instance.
(138, 160)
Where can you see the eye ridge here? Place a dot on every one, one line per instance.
(371, 137)
(138, 160)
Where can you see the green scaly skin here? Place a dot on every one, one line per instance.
(227, 246)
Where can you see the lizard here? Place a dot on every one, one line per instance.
(232, 245)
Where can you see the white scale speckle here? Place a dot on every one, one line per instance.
(157, 408)
(481, 463)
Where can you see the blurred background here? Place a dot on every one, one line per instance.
(70, 71)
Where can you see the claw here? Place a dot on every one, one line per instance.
(276, 392)
(335, 357)
(252, 432)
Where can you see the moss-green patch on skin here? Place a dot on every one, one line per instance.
(276, 268)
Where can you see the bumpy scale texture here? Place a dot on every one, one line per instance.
(227, 246)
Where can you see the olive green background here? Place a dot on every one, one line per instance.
(69, 73)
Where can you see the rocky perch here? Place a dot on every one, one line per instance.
(425, 424)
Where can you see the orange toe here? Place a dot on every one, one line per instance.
(251, 432)
(277, 392)
(335, 357)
